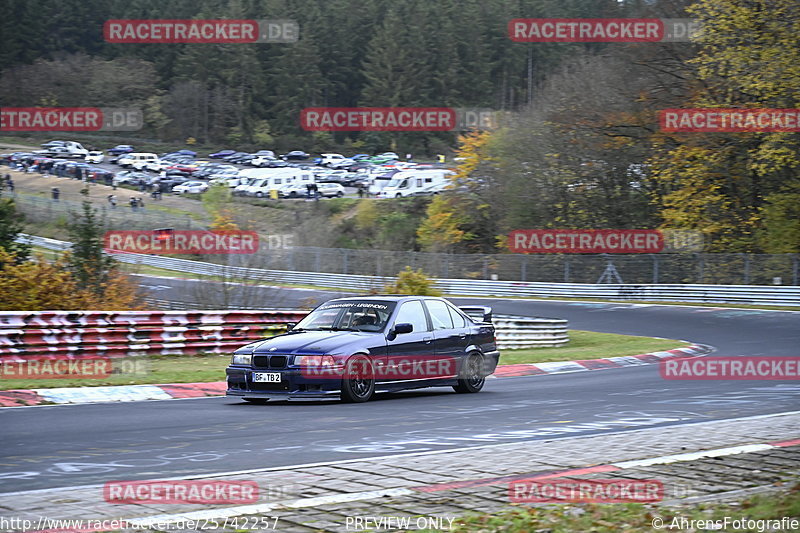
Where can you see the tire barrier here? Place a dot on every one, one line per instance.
(129, 333)
(523, 332)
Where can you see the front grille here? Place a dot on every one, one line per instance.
(277, 361)
(269, 361)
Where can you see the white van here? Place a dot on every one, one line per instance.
(415, 183)
(138, 160)
(65, 149)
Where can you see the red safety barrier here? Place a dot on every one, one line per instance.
(125, 333)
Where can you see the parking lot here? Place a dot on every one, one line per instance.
(295, 175)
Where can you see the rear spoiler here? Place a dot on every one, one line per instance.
(478, 313)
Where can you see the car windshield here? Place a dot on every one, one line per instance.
(348, 316)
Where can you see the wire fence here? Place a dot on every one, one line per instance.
(694, 268)
(664, 268)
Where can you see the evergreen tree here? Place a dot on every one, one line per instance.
(91, 267)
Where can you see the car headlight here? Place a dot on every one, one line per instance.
(314, 360)
(242, 358)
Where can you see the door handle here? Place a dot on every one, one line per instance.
(427, 339)
(462, 335)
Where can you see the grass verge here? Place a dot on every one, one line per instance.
(637, 517)
(590, 345)
(140, 371)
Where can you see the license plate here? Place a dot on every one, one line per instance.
(266, 377)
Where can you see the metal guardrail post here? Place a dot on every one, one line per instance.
(523, 268)
(746, 259)
(655, 268)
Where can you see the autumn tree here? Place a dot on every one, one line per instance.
(730, 185)
(38, 284)
(11, 225)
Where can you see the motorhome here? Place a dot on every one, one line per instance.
(415, 183)
(264, 180)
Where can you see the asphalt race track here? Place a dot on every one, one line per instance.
(61, 446)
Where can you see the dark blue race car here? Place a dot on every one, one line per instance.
(352, 348)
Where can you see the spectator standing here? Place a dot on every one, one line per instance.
(112, 200)
(55, 193)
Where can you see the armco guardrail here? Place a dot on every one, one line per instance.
(131, 333)
(741, 294)
(127, 333)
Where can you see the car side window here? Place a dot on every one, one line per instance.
(458, 320)
(412, 313)
(440, 316)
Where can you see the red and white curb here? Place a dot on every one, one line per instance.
(135, 393)
(534, 369)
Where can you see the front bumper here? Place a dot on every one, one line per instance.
(292, 384)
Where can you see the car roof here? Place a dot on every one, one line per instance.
(384, 297)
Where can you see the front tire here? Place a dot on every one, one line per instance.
(358, 383)
(472, 378)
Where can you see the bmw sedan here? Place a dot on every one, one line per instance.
(352, 348)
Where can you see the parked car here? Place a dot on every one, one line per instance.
(221, 154)
(233, 156)
(264, 161)
(265, 153)
(353, 347)
(243, 159)
(183, 168)
(194, 187)
(328, 159)
(330, 190)
(95, 156)
(293, 190)
(121, 149)
(385, 157)
(295, 155)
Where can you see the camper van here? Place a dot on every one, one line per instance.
(415, 183)
(138, 160)
(263, 180)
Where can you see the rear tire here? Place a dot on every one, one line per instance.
(472, 378)
(358, 384)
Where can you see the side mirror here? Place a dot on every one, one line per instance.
(399, 328)
(403, 328)
(290, 325)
